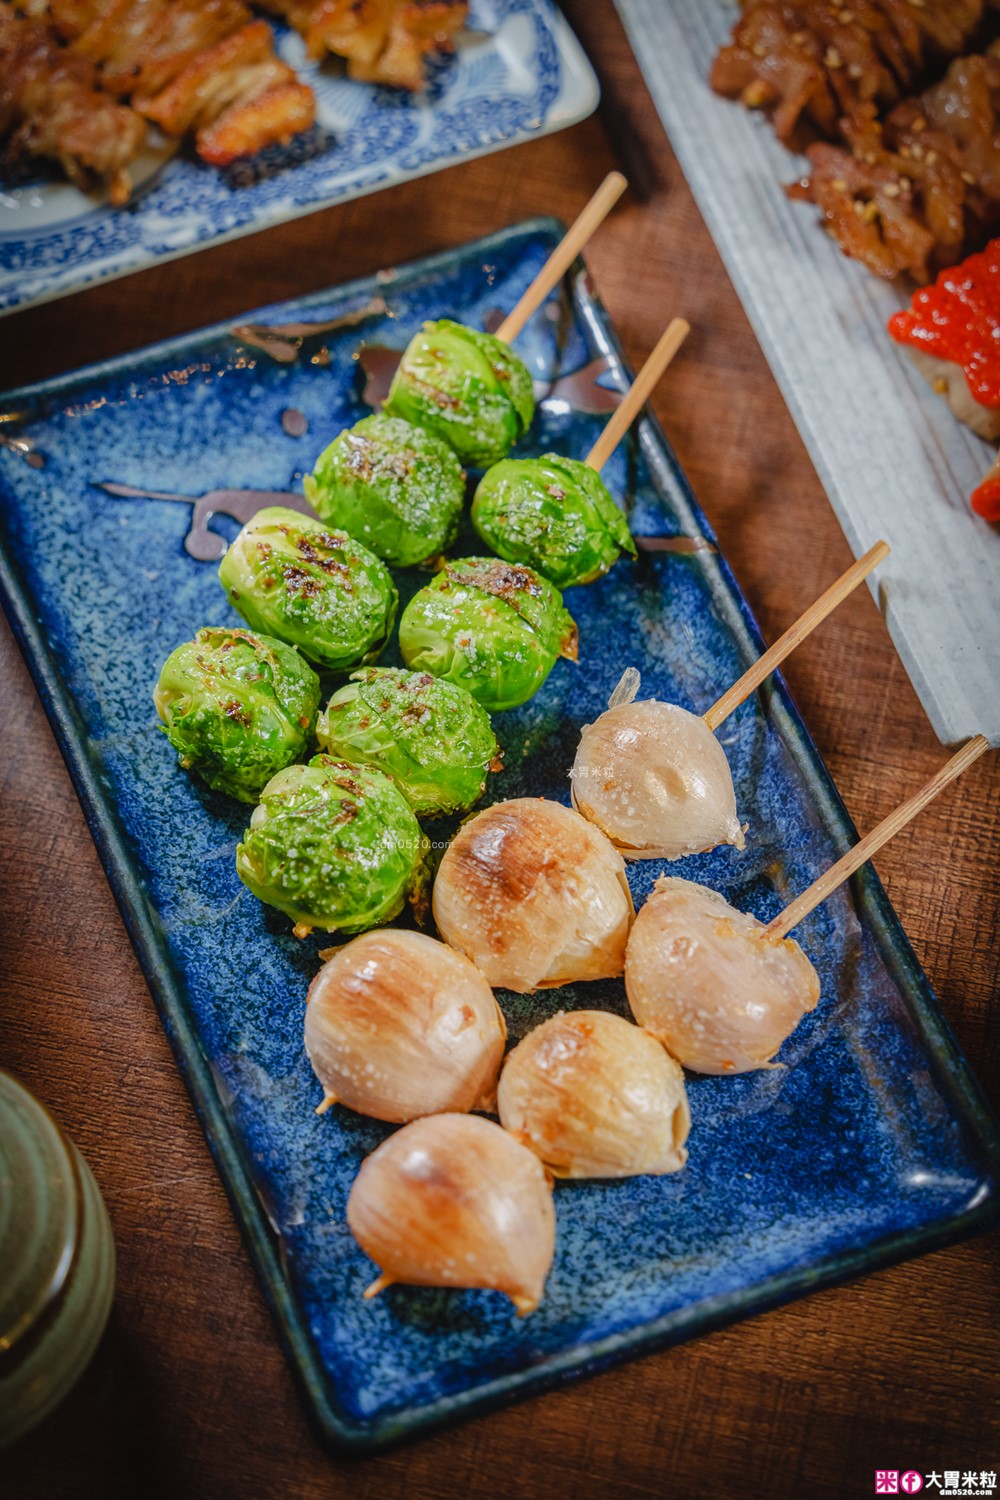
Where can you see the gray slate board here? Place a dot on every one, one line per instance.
(895, 462)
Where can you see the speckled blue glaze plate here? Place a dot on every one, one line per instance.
(873, 1142)
(518, 71)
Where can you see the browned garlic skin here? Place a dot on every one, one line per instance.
(656, 780)
(454, 1201)
(595, 1096)
(706, 980)
(535, 896)
(398, 1025)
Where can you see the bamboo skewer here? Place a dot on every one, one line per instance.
(795, 634)
(635, 397)
(872, 842)
(563, 255)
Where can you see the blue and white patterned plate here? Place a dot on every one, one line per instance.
(518, 71)
(871, 1144)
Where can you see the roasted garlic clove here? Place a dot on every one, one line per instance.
(706, 979)
(535, 896)
(655, 779)
(454, 1201)
(595, 1096)
(398, 1025)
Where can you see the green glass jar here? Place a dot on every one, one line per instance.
(57, 1262)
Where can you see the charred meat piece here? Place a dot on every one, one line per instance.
(201, 65)
(814, 64)
(918, 192)
(141, 45)
(237, 96)
(50, 107)
(384, 41)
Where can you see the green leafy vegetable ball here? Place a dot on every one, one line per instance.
(466, 387)
(334, 845)
(398, 489)
(494, 628)
(316, 588)
(237, 708)
(431, 736)
(555, 514)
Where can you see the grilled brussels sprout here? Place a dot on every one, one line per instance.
(237, 708)
(431, 736)
(334, 845)
(398, 489)
(318, 589)
(466, 387)
(555, 514)
(492, 627)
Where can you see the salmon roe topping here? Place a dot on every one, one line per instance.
(958, 319)
(986, 496)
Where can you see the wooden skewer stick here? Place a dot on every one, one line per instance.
(635, 397)
(563, 255)
(872, 842)
(795, 634)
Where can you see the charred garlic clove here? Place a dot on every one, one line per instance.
(398, 1026)
(454, 1201)
(707, 980)
(595, 1096)
(535, 896)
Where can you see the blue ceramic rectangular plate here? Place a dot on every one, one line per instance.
(872, 1144)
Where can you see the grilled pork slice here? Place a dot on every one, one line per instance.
(50, 107)
(416, 29)
(202, 65)
(384, 41)
(140, 45)
(237, 96)
(918, 192)
(813, 64)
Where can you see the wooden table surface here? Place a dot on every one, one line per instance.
(190, 1395)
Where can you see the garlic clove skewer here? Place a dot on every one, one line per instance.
(656, 781)
(399, 1025)
(454, 1201)
(595, 1096)
(535, 895)
(709, 982)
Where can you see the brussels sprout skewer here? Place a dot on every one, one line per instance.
(319, 589)
(653, 776)
(493, 628)
(469, 387)
(391, 485)
(555, 514)
(429, 735)
(334, 845)
(237, 707)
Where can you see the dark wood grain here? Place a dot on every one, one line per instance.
(190, 1396)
